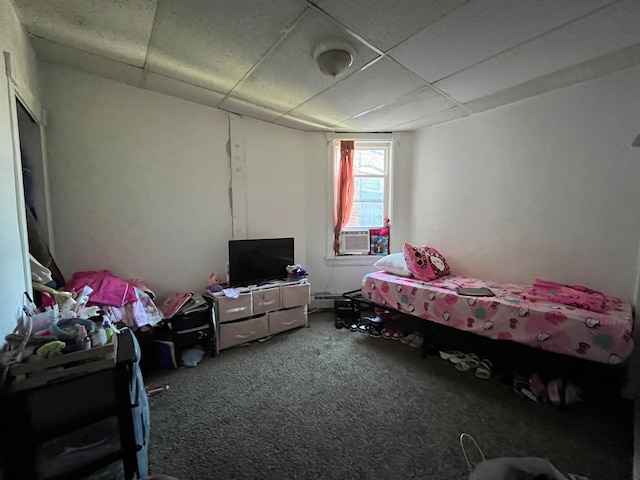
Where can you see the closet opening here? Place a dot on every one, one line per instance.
(36, 198)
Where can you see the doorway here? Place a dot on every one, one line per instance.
(36, 198)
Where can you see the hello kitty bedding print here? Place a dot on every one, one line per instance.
(603, 337)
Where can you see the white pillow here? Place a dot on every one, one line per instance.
(395, 264)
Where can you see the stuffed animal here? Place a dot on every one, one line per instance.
(385, 229)
(296, 271)
(213, 285)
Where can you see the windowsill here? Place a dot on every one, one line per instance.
(352, 260)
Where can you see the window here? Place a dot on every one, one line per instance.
(371, 172)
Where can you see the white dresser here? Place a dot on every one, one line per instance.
(260, 312)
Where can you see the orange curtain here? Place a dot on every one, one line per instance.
(345, 191)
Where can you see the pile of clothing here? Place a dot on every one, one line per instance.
(127, 301)
(572, 295)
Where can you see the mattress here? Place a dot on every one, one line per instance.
(600, 337)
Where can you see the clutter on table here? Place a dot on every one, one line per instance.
(71, 331)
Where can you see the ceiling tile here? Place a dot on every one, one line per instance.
(288, 75)
(481, 29)
(117, 30)
(480, 53)
(214, 43)
(362, 91)
(55, 53)
(605, 31)
(176, 88)
(409, 107)
(384, 24)
(248, 109)
(306, 126)
(432, 119)
(620, 60)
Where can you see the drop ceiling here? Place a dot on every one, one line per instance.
(418, 62)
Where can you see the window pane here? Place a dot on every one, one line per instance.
(368, 189)
(371, 214)
(368, 162)
(366, 214)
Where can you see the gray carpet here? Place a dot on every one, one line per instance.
(320, 402)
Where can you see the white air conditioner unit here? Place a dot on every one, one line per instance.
(354, 242)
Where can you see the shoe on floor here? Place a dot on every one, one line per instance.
(449, 354)
(339, 323)
(397, 335)
(376, 321)
(521, 387)
(407, 339)
(368, 321)
(417, 341)
(364, 328)
(484, 369)
(466, 363)
(375, 333)
(387, 332)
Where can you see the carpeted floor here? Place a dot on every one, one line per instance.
(320, 402)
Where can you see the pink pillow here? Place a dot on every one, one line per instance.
(425, 263)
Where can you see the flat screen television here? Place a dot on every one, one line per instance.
(255, 261)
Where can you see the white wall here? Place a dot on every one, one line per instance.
(122, 157)
(548, 187)
(341, 275)
(24, 74)
(141, 182)
(276, 193)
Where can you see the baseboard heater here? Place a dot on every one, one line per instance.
(324, 300)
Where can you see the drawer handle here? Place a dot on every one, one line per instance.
(244, 336)
(269, 303)
(289, 323)
(234, 310)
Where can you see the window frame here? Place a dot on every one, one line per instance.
(366, 140)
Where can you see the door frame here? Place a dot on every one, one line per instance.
(21, 93)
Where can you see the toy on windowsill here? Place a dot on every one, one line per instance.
(380, 240)
(385, 229)
(296, 272)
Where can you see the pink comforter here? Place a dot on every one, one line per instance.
(107, 288)
(603, 337)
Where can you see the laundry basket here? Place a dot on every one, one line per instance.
(509, 468)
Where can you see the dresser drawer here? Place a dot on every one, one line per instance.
(244, 331)
(287, 319)
(265, 300)
(234, 308)
(295, 295)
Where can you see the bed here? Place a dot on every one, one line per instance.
(603, 337)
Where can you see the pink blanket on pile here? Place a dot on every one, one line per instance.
(107, 288)
(572, 295)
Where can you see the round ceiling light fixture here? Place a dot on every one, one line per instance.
(333, 58)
